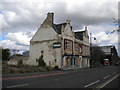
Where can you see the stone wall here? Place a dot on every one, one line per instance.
(14, 60)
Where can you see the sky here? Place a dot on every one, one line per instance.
(22, 18)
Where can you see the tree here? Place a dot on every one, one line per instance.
(97, 55)
(40, 61)
(5, 54)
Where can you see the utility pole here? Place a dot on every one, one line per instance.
(90, 50)
(91, 57)
(118, 31)
(119, 27)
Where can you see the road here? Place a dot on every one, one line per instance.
(94, 78)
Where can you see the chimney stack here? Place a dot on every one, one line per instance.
(85, 28)
(49, 20)
(50, 16)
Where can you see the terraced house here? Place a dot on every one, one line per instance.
(60, 45)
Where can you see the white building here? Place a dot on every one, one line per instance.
(60, 45)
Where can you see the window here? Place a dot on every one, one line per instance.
(68, 44)
(77, 48)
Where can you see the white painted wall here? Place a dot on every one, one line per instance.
(49, 54)
(44, 33)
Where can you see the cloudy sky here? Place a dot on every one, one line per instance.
(21, 19)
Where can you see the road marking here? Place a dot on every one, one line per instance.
(91, 83)
(17, 85)
(106, 76)
(107, 82)
(114, 73)
(14, 78)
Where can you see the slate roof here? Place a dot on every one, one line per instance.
(79, 35)
(57, 27)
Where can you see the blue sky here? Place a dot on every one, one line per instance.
(3, 35)
(21, 19)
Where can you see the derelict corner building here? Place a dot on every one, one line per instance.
(60, 45)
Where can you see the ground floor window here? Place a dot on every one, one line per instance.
(77, 61)
(66, 61)
(71, 60)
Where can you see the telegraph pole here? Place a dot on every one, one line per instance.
(91, 57)
(90, 50)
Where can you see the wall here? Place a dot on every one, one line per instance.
(49, 54)
(44, 33)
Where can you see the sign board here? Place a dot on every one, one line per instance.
(56, 45)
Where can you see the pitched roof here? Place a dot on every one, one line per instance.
(79, 35)
(57, 27)
(107, 46)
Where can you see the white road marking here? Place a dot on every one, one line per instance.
(17, 85)
(92, 83)
(114, 73)
(106, 76)
(107, 82)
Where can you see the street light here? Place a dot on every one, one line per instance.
(91, 48)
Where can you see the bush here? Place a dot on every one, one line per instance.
(41, 61)
(20, 63)
(12, 71)
(26, 69)
(5, 54)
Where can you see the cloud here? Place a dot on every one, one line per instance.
(21, 16)
(103, 38)
(20, 37)
(21, 19)
(12, 45)
(18, 40)
(101, 28)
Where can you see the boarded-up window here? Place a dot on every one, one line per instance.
(77, 48)
(68, 46)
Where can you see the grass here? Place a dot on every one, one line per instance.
(25, 69)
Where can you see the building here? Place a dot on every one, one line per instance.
(110, 53)
(60, 45)
(83, 36)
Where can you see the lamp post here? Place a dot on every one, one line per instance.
(91, 49)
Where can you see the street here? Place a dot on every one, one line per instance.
(101, 77)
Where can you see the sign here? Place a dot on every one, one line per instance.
(56, 45)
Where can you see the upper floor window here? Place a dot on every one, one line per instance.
(77, 47)
(68, 44)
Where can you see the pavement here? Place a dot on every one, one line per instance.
(92, 78)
